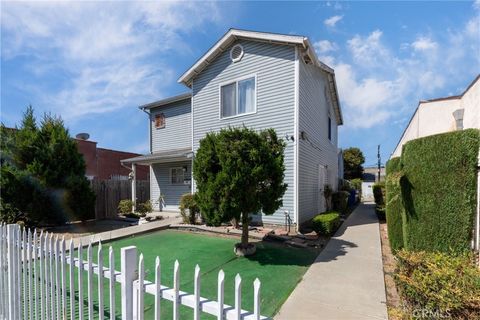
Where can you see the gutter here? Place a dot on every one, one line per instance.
(149, 126)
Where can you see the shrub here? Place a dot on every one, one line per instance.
(340, 201)
(356, 184)
(327, 193)
(125, 206)
(439, 282)
(393, 204)
(439, 189)
(187, 202)
(379, 196)
(326, 223)
(144, 208)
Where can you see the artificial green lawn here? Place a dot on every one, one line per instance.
(279, 268)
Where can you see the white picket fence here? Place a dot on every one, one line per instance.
(37, 281)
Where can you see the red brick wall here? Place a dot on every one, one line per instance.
(102, 163)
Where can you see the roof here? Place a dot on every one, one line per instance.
(434, 100)
(235, 34)
(166, 101)
(158, 157)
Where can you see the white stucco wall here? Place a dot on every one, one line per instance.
(433, 117)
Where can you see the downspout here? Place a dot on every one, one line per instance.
(149, 128)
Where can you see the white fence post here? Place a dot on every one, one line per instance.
(80, 280)
(128, 257)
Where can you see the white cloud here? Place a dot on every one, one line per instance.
(368, 50)
(424, 44)
(324, 46)
(110, 54)
(332, 21)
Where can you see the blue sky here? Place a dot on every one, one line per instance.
(93, 63)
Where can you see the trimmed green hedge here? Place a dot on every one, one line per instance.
(394, 205)
(439, 190)
(437, 185)
(326, 223)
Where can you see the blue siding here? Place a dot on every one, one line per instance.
(314, 108)
(177, 133)
(160, 183)
(274, 68)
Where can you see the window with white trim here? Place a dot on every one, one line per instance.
(238, 98)
(177, 175)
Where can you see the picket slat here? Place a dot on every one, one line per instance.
(18, 301)
(100, 281)
(57, 278)
(111, 268)
(238, 296)
(157, 289)
(51, 278)
(90, 281)
(64, 278)
(176, 289)
(71, 280)
(141, 289)
(23, 249)
(41, 277)
(220, 297)
(80, 282)
(196, 292)
(30, 262)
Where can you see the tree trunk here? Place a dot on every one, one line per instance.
(244, 230)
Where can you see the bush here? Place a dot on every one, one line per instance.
(379, 196)
(393, 204)
(187, 202)
(326, 223)
(439, 187)
(144, 208)
(340, 201)
(125, 206)
(439, 282)
(356, 184)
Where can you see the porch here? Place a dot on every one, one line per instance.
(170, 177)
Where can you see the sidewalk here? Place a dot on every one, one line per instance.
(346, 280)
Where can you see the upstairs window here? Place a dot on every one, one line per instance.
(238, 98)
(159, 121)
(329, 128)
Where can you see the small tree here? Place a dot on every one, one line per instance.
(43, 174)
(353, 160)
(239, 172)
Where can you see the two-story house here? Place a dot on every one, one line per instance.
(259, 80)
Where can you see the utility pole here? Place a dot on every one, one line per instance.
(379, 162)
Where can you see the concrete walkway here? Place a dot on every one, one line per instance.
(346, 280)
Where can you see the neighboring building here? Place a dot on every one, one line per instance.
(260, 80)
(104, 164)
(370, 174)
(369, 178)
(443, 115)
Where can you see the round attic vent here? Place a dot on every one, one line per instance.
(236, 53)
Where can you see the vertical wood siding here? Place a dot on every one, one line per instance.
(177, 133)
(313, 119)
(160, 183)
(274, 68)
